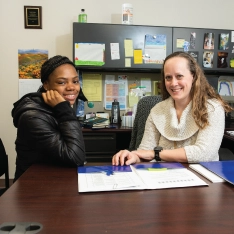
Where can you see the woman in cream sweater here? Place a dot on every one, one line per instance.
(188, 125)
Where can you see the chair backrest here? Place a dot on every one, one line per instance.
(143, 109)
(4, 170)
(225, 154)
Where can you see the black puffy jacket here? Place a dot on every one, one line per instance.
(46, 134)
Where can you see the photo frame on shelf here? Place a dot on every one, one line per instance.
(33, 17)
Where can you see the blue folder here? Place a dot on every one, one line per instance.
(157, 165)
(224, 169)
(108, 169)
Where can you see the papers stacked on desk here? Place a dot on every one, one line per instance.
(104, 123)
(136, 177)
(97, 122)
(206, 173)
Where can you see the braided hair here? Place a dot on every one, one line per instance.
(50, 65)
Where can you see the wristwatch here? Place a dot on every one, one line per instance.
(156, 153)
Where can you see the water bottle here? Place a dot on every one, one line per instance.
(115, 112)
(82, 17)
(127, 13)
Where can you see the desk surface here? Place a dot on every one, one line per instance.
(117, 128)
(49, 195)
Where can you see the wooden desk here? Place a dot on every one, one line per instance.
(102, 144)
(48, 195)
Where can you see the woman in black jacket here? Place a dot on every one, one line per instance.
(48, 130)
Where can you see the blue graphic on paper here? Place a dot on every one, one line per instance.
(107, 168)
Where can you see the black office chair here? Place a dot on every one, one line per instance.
(4, 167)
(225, 154)
(143, 109)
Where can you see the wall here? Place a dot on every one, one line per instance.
(56, 35)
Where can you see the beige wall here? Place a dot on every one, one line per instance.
(56, 35)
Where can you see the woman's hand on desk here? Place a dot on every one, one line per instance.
(125, 157)
(145, 155)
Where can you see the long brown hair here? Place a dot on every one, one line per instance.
(201, 90)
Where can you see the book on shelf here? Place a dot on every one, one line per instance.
(136, 177)
(102, 124)
(95, 121)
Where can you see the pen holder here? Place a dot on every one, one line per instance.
(127, 121)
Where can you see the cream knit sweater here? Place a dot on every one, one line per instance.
(163, 128)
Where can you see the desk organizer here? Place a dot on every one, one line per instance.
(127, 121)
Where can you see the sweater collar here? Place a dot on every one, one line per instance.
(167, 123)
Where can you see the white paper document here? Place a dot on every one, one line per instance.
(89, 54)
(172, 178)
(136, 177)
(206, 173)
(92, 182)
(28, 86)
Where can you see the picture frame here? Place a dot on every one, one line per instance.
(33, 17)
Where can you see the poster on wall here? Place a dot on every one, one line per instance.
(223, 41)
(155, 48)
(92, 54)
(30, 62)
(209, 41)
(115, 90)
(192, 40)
(222, 60)
(194, 54)
(225, 85)
(208, 59)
